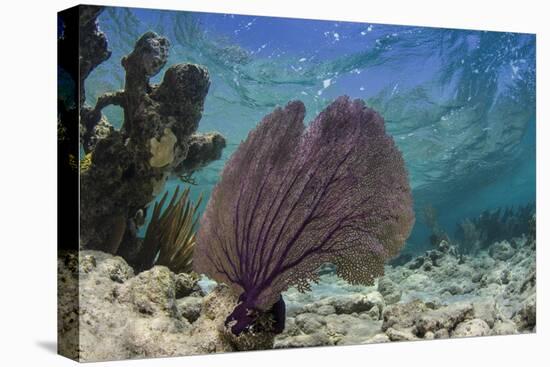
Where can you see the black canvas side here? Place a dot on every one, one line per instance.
(68, 178)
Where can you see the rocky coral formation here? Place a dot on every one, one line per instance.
(93, 48)
(157, 139)
(81, 47)
(159, 313)
(82, 30)
(440, 294)
(154, 314)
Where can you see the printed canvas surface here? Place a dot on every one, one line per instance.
(249, 182)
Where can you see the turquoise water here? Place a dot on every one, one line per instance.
(460, 104)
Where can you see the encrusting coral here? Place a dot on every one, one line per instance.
(171, 234)
(291, 199)
(157, 140)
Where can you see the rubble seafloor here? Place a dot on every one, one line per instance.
(438, 294)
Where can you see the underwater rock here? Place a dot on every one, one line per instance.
(529, 282)
(93, 50)
(486, 310)
(151, 291)
(475, 327)
(378, 338)
(188, 285)
(120, 316)
(92, 45)
(526, 316)
(216, 306)
(303, 341)
(220, 297)
(355, 303)
(454, 289)
(403, 315)
(68, 304)
(190, 308)
(333, 329)
(501, 251)
(350, 329)
(400, 335)
(429, 336)
(447, 318)
(505, 327)
(203, 149)
(409, 321)
(149, 56)
(441, 334)
(389, 290)
(260, 336)
(417, 281)
(96, 133)
(309, 323)
(416, 263)
(377, 301)
(322, 309)
(445, 247)
(117, 269)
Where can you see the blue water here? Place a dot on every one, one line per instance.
(459, 103)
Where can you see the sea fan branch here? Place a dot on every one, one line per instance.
(335, 192)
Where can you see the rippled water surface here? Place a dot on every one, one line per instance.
(459, 103)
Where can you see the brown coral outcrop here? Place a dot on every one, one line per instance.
(130, 166)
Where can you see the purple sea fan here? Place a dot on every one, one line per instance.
(290, 199)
